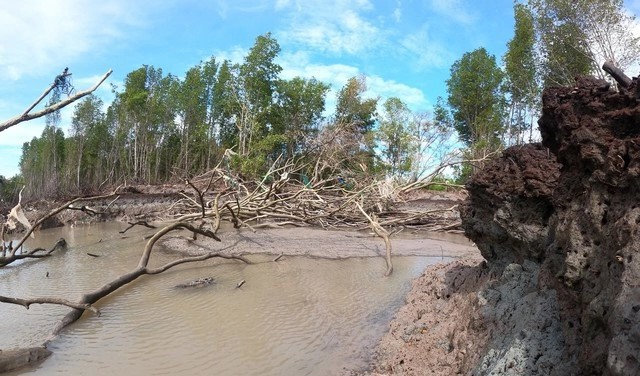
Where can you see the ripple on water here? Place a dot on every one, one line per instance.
(299, 316)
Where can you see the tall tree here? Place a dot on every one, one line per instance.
(42, 162)
(148, 104)
(356, 116)
(87, 127)
(521, 79)
(222, 107)
(476, 102)
(396, 136)
(297, 111)
(192, 107)
(255, 86)
(352, 109)
(577, 36)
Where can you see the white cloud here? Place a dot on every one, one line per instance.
(397, 12)
(454, 10)
(337, 26)
(411, 96)
(424, 50)
(39, 37)
(282, 4)
(337, 75)
(234, 55)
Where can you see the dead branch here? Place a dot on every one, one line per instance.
(142, 269)
(199, 195)
(37, 252)
(34, 253)
(26, 303)
(134, 224)
(381, 232)
(17, 358)
(617, 74)
(26, 115)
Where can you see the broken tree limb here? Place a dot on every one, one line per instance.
(17, 358)
(617, 74)
(26, 303)
(142, 269)
(34, 253)
(199, 195)
(13, 254)
(384, 234)
(26, 115)
(138, 223)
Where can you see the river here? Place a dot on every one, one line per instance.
(297, 316)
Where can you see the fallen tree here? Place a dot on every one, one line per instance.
(13, 359)
(220, 195)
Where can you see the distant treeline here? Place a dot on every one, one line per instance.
(161, 127)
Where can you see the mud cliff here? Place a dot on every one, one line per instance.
(558, 226)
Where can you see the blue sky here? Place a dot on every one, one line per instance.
(404, 47)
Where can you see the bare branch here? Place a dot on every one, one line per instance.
(26, 115)
(26, 303)
(139, 223)
(381, 232)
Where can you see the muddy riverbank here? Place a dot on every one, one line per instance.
(557, 224)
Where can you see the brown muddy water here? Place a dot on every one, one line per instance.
(299, 316)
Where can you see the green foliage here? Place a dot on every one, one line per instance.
(355, 116)
(9, 188)
(297, 112)
(577, 36)
(521, 75)
(88, 144)
(352, 109)
(476, 100)
(396, 136)
(222, 107)
(160, 127)
(444, 186)
(42, 162)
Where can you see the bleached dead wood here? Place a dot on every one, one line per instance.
(27, 115)
(384, 234)
(15, 252)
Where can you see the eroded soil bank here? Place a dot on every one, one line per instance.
(557, 224)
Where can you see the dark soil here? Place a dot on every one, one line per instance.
(557, 224)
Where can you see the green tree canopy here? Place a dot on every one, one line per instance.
(521, 74)
(396, 136)
(476, 99)
(577, 36)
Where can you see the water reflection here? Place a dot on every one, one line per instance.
(299, 316)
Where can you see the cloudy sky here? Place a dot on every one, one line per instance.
(404, 47)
